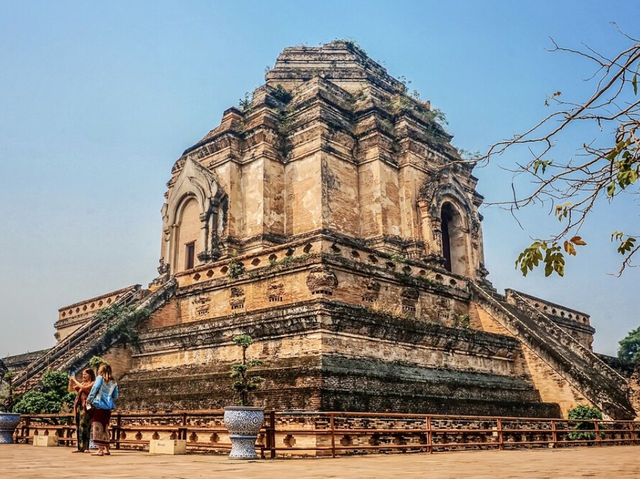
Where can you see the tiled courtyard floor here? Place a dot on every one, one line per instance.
(616, 462)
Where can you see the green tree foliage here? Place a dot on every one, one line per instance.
(584, 430)
(244, 383)
(606, 169)
(53, 397)
(7, 397)
(629, 349)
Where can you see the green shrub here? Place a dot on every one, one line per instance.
(53, 398)
(584, 430)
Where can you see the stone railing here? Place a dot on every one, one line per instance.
(76, 349)
(543, 321)
(304, 433)
(579, 366)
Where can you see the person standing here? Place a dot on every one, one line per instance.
(80, 411)
(101, 396)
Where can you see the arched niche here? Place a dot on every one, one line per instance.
(188, 235)
(450, 225)
(193, 219)
(454, 239)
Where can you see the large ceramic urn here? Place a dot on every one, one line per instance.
(8, 423)
(243, 424)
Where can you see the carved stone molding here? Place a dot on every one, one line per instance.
(372, 291)
(201, 304)
(321, 281)
(237, 298)
(409, 299)
(275, 291)
(236, 292)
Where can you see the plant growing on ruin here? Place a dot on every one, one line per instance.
(584, 430)
(245, 103)
(244, 383)
(397, 258)
(95, 362)
(123, 323)
(236, 268)
(352, 45)
(280, 93)
(461, 320)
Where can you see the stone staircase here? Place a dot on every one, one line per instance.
(579, 366)
(87, 341)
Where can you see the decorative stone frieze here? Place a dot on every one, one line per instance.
(321, 281)
(372, 291)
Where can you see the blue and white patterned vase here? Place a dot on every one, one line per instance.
(8, 423)
(243, 423)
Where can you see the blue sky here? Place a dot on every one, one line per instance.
(100, 98)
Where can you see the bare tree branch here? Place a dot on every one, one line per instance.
(607, 167)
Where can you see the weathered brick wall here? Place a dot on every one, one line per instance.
(167, 315)
(634, 389)
(119, 357)
(327, 355)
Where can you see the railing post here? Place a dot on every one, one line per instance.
(118, 429)
(184, 427)
(632, 435)
(429, 436)
(596, 427)
(70, 433)
(500, 442)
(271, 434)
(28, 421)
(333, 437)
(554, 434)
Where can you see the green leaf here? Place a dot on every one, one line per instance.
(626, 245)
(541, 164)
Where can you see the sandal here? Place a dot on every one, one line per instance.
(99, 453)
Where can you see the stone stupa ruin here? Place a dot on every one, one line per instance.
(331, 219)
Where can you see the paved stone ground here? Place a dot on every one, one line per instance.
(615, 462)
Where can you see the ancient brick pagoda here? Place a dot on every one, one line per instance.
(332, 220)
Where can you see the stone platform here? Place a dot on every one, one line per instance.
(26, 462)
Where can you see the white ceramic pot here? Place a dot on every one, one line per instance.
(8, 423)
(243, 424)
